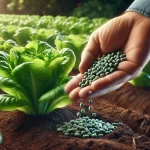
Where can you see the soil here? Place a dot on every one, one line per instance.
(129, 105)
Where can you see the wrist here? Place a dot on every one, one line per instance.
(136, 17)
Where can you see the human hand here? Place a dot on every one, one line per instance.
(130, 33)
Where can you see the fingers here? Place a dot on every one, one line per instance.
(126, 71)
(129, 67)
(87, 59)
(72, 84)
(90, 53)
(105, 82)
(74, 94)
(72, 87)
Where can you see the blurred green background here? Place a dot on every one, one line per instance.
(79, 8)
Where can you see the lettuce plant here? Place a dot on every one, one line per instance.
(22, 35)
(46, 35)
(74, 42)
(7, 45)
(33, 78)
(7, 32)
(143, 80)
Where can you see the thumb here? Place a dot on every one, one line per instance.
(90, 53)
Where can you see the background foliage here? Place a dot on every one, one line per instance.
(90, 8)
(41, 7)
(96, 8)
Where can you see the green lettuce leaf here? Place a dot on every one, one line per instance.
(74, 42)
(5, 68)
(34, 72)
(143, 80)
(147, 68)
(13, 88)
(55, 98)
(22, 35)
(8, 102)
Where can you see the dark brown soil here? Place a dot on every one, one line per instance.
(129, 105)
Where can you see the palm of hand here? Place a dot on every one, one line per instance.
(128, 33)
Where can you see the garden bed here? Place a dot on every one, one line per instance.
(128, 104)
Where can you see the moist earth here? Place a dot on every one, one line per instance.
(129, 105)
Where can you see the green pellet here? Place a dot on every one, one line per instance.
(90, 92)
(77, 134)
(87, 118)
(124, 58)
(118, 61)
(105, 128)
(83, 80)
(91, 129)
(111, 70)
(90, 108)
(1, 138)
(93, 114)
(110, 64)
(107, 132)
(81, 128)
(100, 135)
(59, 129)
(66, 134)
(82, 111)
(92, 77)
(85, 135)
(101, 130)
(83, 132)
(115, 64)
(111, 128)
(112, 54)
(86, 130)
(81, 124)
(82, 85)
(89, 70)
(85, 73)
(86, 83)
(90, 81)
(72, 121)
(97, 74)
(97, 131)
(102, 75)
(94, 135)
(83, 120)
(90, 101)
(120, 124)
(100, 125)
(96, 78)
(70, 130)
(77, 122)
(81, 104)
(115, 124)
(78, 114)
(110, 131)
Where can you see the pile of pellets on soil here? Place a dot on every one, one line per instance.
(85, 127)
(102, 66)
